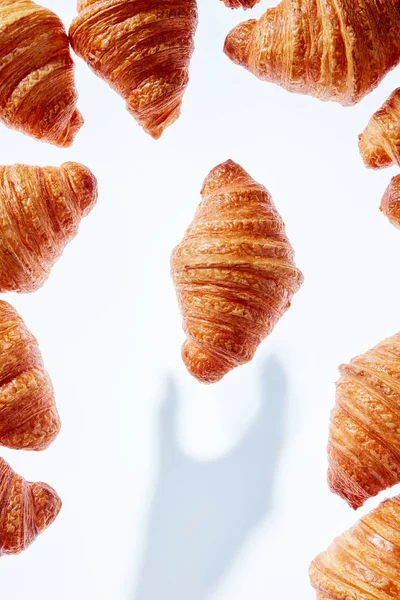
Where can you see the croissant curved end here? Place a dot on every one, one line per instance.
(66, 139)
(84, 184)
(390, 204)
(204, 367)
(47, 505)
(237, 42)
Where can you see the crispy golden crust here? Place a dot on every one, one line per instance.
(142, 48)
(390, 204)
(380, 141)
(331, 50)
(26, 509)
(28, 415)
(364, 434)
(364, 562)
(40, 212)
(37, 88)
(234, 273)
(240, 3)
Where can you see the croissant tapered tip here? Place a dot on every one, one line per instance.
(390, 203)
(84, 184)
(46, 503)
(237, 42)
(205, 368)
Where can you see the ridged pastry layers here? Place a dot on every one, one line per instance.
(331, 50)
(380, 141)
(142, 48)
(40, 212)
(364, 434)
(26, 510)
(234, 273)
(364, 562)
(37, 87)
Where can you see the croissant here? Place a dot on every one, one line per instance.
(142, 48)
(37, 88)
(27, 509)
(331, 50)
(28, 415)
(240, 3)
(40, 211)
(390, 205)
(363, 563)
(380, 141)
(234, 273)
(364, 435)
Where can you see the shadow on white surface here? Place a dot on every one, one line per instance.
(203, 512)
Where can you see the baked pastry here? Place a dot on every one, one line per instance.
(28, 415)
(27, 509)
(37, 87)
(331, 50)
(234, 273)
(380, 141)
(364, 434)
(390, 204)
(142, 48)
(363, 563)
(240, 3)
(40, 212)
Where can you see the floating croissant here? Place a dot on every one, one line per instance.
(40, 212)
(363, 563)
(380, 142)
(142, 48)
(234, 273)
(37, 88)
(390, 205)
(331, 50)
(240, 3)
(27, 509)
(364, 435)
(28, 415)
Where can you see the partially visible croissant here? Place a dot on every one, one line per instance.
(240, 3)
(28, 415)
(142, 48)
(390, 204)
(380, 141)
(331, 50)
(364, 562)
(37, 87)
(364, 435)
(234, 273)
(26, 509)
(40, 212)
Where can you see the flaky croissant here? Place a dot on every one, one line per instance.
(380, 141)
(364, 434)
(331, 50)
(28, 415)
(40, 212)
(234, 273)
(142, 48)
(26, 509)
(37, 88)
(240, 3)
(364, 562)
(390, 204)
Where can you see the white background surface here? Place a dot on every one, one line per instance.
(173, 490)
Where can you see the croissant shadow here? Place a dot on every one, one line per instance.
(203, 512)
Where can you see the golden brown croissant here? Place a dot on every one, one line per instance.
(364, 435)
(26, 509)
(40, 212)
(331, 50)
(390, 204)
(37, 88)
(142, 48)
(234, 273)
(28, 415)
(364, 562)
(240, 3)
(380, 141)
